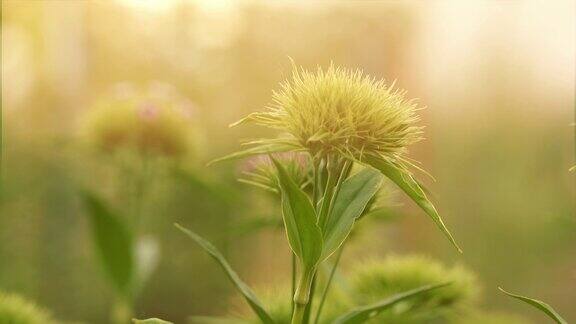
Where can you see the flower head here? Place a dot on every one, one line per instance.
(16, 310)
(341, 111)
(341, 116)
(154, 121)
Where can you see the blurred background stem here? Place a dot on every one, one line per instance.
(121, 311)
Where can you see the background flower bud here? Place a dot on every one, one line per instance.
(375, 280)
(152, 121)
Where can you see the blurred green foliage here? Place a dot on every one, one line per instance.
(499, 141)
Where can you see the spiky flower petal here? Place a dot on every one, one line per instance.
(341, 111)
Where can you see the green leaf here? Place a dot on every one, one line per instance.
(356, 192)
(150, 321)
(403, 179)
(303, 233)
(113, 241)
(240, 285)
(545, 308)
(363, 313)
(256, 150)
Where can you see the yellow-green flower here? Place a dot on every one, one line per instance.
(16, 310)
(340, 111)
(155, 121)
(341, 116)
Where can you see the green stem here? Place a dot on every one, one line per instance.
(328, 192)
(293, 279)
(308, 309)
(332, 191)
(302, 295)
(328, 284)
(316, 184)
(343, 175)
(298, 314)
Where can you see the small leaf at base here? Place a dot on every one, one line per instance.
(240, 285)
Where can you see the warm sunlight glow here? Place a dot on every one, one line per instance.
(150, 5)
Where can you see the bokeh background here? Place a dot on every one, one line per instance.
(497, 77)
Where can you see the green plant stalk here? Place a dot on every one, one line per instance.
(333, 185)
(316, 192)
(328, 284)
(308, 310)
(298, 314)
(329, 192)
(293, 280)
(343, 170)
(316, 182)
(302, 295)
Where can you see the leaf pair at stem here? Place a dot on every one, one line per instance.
(317, 226)
(315, 233)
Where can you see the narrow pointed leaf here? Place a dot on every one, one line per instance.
(248, 294)
(355, 194)
(150, 321)
(363, 313)
(542, 306)
(403, 179)
(113, 242)
(303, 233)
(256, 150)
